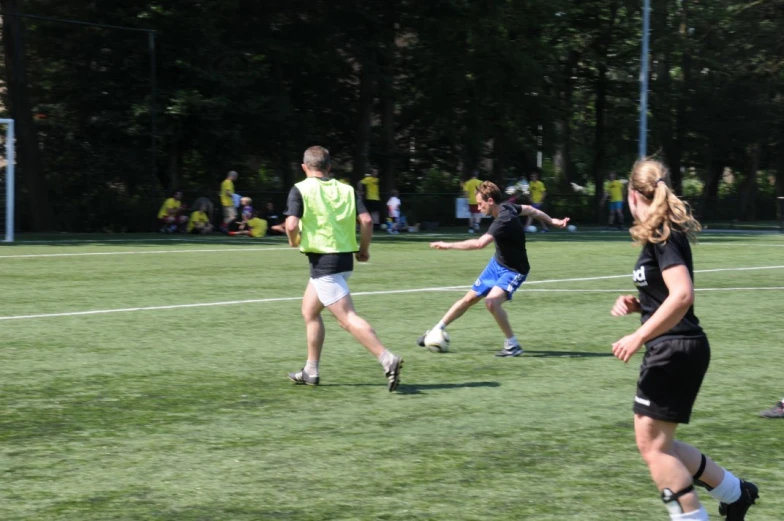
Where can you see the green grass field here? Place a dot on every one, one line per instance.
(145, 379)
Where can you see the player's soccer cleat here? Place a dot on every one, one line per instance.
(393, 373)
(777, 411)
(303, 378)
(737, 511)
(421, 339)
(510, 350)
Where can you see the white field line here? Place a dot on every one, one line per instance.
(141, 252)
(627, 290)
(362, 293)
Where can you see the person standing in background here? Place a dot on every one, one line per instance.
(227, 200)
(469, 189)
(538, 193)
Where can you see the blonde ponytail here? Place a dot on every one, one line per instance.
(665, 211)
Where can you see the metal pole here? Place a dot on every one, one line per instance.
(9, 180)
(646, 23)
(152, 106)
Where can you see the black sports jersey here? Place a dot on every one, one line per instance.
(647, 276)
(509, 236)
(322, 263)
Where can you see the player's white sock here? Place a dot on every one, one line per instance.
(440, 326)
(512, 341)
(697, 515)
(311, 367)
(728, 490)
(385, 359)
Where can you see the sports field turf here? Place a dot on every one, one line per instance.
(146, 380)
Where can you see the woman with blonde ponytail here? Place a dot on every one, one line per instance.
(677, 351)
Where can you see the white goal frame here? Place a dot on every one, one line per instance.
(9, 179)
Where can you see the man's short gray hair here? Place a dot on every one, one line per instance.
(317, 158)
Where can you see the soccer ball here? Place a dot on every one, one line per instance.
(531, 229)
(437, 340)
(571, 228)
(383, 226)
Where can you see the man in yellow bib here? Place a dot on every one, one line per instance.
(469, 187)
(170, 214)
(538, 193)
(199, 221)
(227, 199)
(368, 186)
(321, 220)
(613, 189)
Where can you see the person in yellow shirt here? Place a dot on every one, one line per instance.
(538, 193)
(255, 227)
(469, 188)
(170, 213)
(368, 187)
(199, 222)
(227, 199)
(613, 189)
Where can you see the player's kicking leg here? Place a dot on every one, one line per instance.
(360, 329)
(455, 312)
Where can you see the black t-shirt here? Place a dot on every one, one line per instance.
(509, 235)
(322, 264)
(647, 276)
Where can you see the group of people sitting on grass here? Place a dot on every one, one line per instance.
(174, 218)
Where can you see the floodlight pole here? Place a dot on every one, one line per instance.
(646, 23)
(9, 179)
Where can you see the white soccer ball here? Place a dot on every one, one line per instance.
(437, 340)
(571, 228)
(383, 226)
(531, 229)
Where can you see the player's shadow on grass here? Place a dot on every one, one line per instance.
(419, 388)
(564, 354)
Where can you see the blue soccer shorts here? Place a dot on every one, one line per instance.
(616, 205)
(497, 275)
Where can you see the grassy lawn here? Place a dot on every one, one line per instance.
(144, 378)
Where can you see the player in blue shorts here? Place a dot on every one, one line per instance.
(508, 268)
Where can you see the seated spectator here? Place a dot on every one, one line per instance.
(171, 215)
(244, 214)
(255, 227)
(274, 220)
(199, 222)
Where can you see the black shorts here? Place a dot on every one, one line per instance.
(373, 206)
(670, 378)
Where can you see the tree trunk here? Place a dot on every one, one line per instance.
(367, 91)
(563, 156)
(749, 188)
(598, 141)
(600, 107)
(387, 94)
(29, 157)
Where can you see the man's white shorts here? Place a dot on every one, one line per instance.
(331, 288)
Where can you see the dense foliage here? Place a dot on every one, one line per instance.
(400, 86)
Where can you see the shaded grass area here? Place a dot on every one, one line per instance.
(186, 414)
